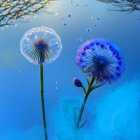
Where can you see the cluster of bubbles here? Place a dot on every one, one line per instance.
(93, 21)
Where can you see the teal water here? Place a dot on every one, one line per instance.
(112, 111)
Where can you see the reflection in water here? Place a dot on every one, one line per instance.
(124, 5)
(13, 10)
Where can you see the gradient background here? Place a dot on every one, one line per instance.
(20, 108)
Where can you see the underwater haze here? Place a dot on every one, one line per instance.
(112, 111)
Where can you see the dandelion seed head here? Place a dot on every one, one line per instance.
(101, 59)
(41, 44)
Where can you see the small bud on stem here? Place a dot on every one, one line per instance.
(77, 82)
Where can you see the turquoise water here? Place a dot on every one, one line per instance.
(112, 111)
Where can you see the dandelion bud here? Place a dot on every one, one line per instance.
(77, 82)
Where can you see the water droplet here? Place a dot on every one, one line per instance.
(65, 24)
(86, 5)
(88, 29)
(69, 15)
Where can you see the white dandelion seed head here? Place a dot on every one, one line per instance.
(41, 44)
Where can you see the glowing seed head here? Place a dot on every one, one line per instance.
(41, 44)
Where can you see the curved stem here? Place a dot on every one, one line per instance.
(84, 89)
(87, 92)
(81, 112)
(42, 101)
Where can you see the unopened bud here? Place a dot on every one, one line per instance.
(77, 82)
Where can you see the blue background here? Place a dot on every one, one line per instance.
(20, 107)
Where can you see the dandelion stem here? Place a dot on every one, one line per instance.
(81, 112)
(87, 92)
(42, 101)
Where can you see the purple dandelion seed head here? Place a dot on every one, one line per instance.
(41, 45)
(101, 59)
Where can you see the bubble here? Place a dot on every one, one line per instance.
(91, 17)
(20, 71)
(79, 40)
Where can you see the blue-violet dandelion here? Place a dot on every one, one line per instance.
(101, 59)
(41, 44)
